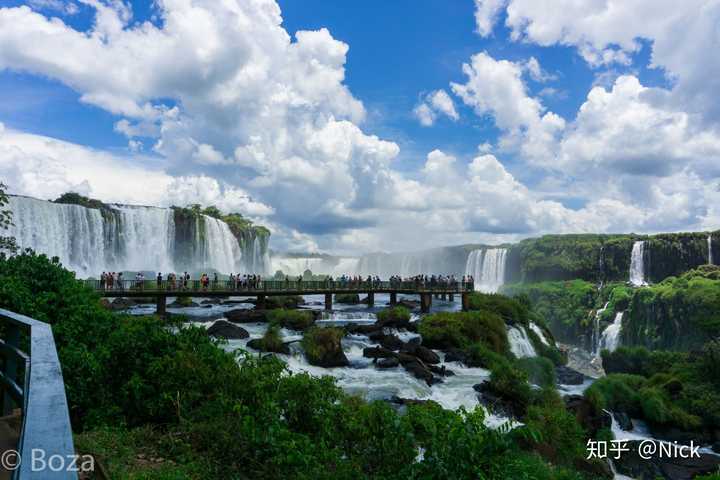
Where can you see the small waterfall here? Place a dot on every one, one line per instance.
(611, 335)
(637, 264)
(596, 329)
(538, 331)
(520, 344)
(487, 267)
(709, 244)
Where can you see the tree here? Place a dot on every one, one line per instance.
(6, 243)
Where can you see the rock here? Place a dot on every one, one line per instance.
(323, 347)
(378, 352)
(441, 370)
(182, 303)
(623, 421)
(495, 403)
(211, 301)
(206, 306)
(412, 327)
(672, 467)
(568, 376)
(455, 355)
(242, 315)
(225, 329)
(390, 362)
(106, 304)
(423, 353)
(391, 342)
(122, 303)
(419, 370)
(347, 298)
(410, 401)
(585, 414)
(356, 329)
(259, 345)
(409, 304)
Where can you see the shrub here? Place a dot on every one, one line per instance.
(322, 344)
(462, 329)
(347, 298)
(394, 316)
(283, 301)
(511, 310)
(539, 370)
(272, 340)
(292, 319)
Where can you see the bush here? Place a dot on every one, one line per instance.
(640, 361)
(283, 301)
(347, 298)
(512, 311)
(292, 319)
(511, 384)
(395, 316)
(272, 340)
(323, 346)
(461, 329)
(539, 370)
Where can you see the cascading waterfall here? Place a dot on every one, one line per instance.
(520, 344)
(122, 238)
(611, 335)
(596, 330)
(538, 331)
(487, 267)
(72, 233)
(709, 244)
(637, 264)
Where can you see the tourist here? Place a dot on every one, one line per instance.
(119, 281)
(159, 280)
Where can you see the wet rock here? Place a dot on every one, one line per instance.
(122, 303)
(455, 355)
(671, 467)
(378, 352)
(568, 376)
(323, 347)
(418, 369)
(423, 353)
(225, 329)
(259, 345)
(211, 301)
(180, 302)
(390, 362)
(245, 316)
(410, 401)
(356, 329)
(391, 342)
(585, 413)
(495, 403)
(441, 370)
(623, 421)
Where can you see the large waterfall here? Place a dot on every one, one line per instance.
(121, 238)
(611, 335)
(487, 268)
(637, 264)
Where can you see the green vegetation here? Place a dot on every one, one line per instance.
(73, 198)
(184, 301)
(240, 226)
(271, 340)
(292, 319)
(667, 389)
(512, 311)
(460, 330)
(540, 370)
(394, 316)
(283, 301)
(347, 298)
(154, 402)
(6, 243)
(323, 345)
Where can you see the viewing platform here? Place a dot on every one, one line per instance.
(224, 288)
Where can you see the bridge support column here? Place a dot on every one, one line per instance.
(328, 301)
(371, 299)
(425, 302)
(443, 296)
(465, 302)
(260, 304)
(393, 299)
(161, 304)
(451, 297)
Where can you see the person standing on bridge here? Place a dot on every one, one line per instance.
(159, 280)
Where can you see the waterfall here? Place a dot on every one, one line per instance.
(132, 238)
(520, 344)
(487, 267)
(637, 264)
(146, 239)
(709, 243)
(595, 342)
(70, 232)
(335, 266)
(538, 331)
(611, 335)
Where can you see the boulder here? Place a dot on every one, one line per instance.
(623, 421)
(179, 303)
(259, 345)
(496, 403)
(390, 362)
(567, 376)
(378, 352)
(211, 301)
(347, 298)
(391, 342)
(455, 355)
(441, 370)
(420, 371)
(245, 316)
(122, 303)
(225, 329)
(585, 413)
(323, 347)
(411, 401)
(671, 467)
(423, 353)
(355, 329)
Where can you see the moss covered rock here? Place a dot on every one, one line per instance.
(323, 347)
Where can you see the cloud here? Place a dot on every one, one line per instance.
(434, 104)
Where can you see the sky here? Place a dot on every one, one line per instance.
(351, 127)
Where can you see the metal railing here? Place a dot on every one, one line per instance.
(34, 383)
(275, 286)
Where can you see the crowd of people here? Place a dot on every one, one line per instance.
(114, 281)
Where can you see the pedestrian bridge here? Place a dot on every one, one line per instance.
(264, 288)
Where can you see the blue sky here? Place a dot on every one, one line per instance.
(345, 140)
